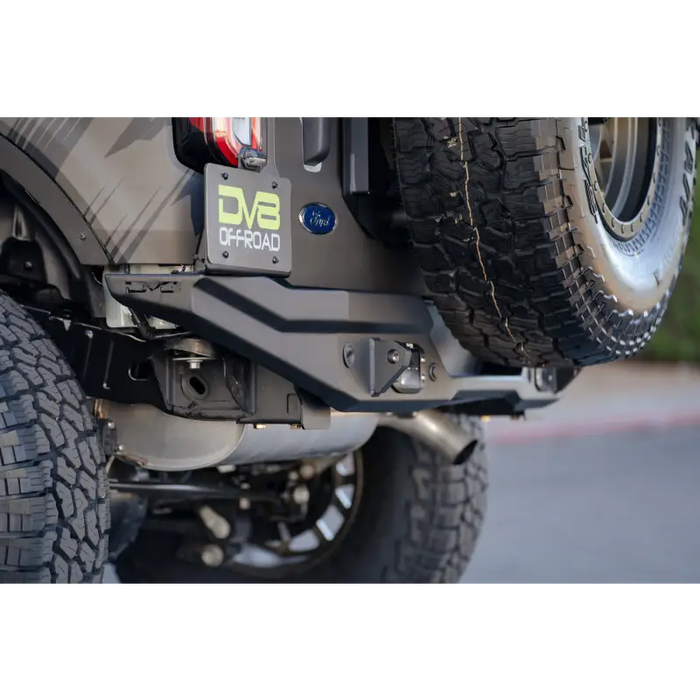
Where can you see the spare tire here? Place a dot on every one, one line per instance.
(548, 242)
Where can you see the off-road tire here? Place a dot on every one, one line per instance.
(514, 246)
(54, 513)
(418, 521)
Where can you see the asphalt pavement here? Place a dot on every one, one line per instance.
(615, 508)
(604, 486)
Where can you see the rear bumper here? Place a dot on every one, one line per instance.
(348, 349)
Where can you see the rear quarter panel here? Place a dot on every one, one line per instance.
(142, 205)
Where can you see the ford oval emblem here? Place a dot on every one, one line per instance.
(318, 219)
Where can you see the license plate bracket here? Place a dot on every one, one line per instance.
(247, 222)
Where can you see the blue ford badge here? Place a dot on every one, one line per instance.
(318, 219)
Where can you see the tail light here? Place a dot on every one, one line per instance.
(237, 141)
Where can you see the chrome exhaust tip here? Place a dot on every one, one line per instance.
(436, 430)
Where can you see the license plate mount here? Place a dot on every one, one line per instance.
(247, 225)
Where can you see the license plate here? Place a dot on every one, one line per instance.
(247, 223)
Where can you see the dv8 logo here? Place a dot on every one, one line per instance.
(265, 212)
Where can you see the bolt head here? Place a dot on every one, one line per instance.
(244, 504)
(393, 356)
(194, 364)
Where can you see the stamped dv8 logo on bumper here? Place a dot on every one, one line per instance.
(247, 221)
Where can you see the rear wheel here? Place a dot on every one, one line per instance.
(549, 241)
(54, 514)
(395, 512)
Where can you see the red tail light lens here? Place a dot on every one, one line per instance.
(237, 141)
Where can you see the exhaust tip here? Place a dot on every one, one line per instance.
(436, 430)
(466, 453)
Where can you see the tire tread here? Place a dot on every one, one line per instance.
(489, 218)
(444, 516)
(54, 514)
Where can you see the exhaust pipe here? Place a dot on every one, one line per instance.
(436, 430)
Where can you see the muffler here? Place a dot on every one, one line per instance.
(160, 441)
(157, 440)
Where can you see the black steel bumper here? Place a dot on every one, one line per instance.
(355, 351)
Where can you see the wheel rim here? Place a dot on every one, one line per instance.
(625, 158)
(298, 549)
